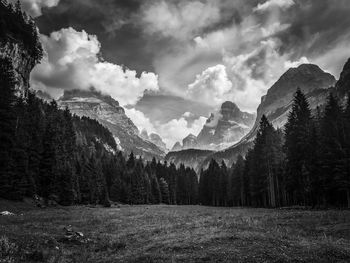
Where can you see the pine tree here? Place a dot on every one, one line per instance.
(155, 188)
(297, 132)
(164, 189)
(239, 185)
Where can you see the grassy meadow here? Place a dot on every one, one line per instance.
(164, 233)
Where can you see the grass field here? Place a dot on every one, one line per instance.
(174, 234)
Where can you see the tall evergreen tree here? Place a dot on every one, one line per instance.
(297, 134)
(164, 189)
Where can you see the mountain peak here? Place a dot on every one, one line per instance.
(92, 93)
(190, 136)
(229, 105)
(177, 147)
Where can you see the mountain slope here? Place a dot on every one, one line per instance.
(110, 114)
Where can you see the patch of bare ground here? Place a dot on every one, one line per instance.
(173, 234)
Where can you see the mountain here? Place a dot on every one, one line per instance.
(190, 142)
(226, 127)
(177, 147)
(222, 129)
(109, 113)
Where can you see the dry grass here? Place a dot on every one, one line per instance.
(177, 234)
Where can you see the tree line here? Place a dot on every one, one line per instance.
(306, 164)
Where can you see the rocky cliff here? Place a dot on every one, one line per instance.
(109, 113)
(225, 128)
(19, 41)
(221, 130)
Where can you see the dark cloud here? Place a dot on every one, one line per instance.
(316, 26)
(111, 20)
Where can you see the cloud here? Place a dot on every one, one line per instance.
(172, 131)
(140, 120)
(253, 73)
(179, 19)
(34, 7)
(177, 129)
(295, 64)
(282, 4)
(72, 61)
(212, 86)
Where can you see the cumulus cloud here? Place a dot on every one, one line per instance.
(212, 86)
(72, 61)
(172, 131)
(179, 19)
(140, 120)
(34, 7)
(295, 64)
(283, 4)
(177, 129)
(253, 73)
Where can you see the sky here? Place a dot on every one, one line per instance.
(171, 63)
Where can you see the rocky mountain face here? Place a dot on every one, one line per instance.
(23, 63)
(222, 129)
(110, 114)
(177, 147)
(155, 139)
(226, 127)
(190, 142)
